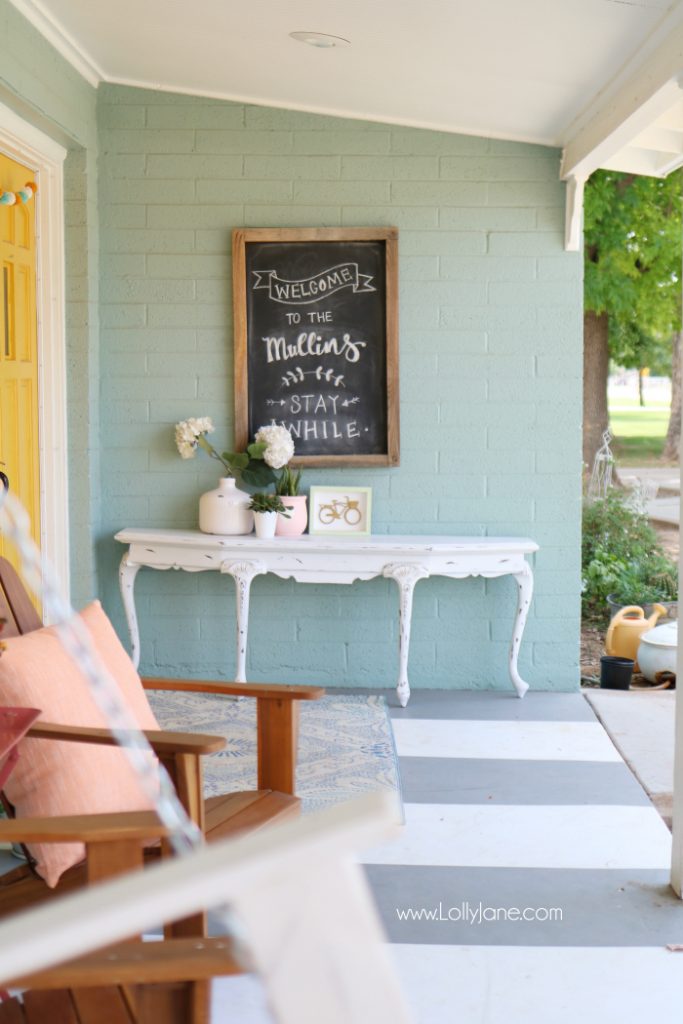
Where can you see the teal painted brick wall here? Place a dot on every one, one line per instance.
(490, 343)
(46, 91)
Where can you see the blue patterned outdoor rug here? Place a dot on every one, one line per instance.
(346, 745)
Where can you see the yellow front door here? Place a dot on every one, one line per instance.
(18, 349)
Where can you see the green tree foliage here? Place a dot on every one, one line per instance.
(632, 234)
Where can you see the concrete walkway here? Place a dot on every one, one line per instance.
(664, 509)
(641, 726)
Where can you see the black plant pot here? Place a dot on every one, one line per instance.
(615, 673)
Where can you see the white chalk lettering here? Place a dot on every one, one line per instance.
(321, 429)
(316, 403)
(312, 344)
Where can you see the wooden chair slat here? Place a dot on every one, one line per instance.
(170, 1003)
(12, 1012)
(54, 1007)
(15, 604)
(131, 963)
(271, 808)
(219, 808)
(104, 1005)
(30, 890)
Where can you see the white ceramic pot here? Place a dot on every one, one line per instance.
(658, 650)
(225, 510)
(265, 523)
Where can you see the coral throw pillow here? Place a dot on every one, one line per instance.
(52, 777)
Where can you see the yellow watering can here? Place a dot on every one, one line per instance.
(626, 629)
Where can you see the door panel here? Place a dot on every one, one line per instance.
(19, 453)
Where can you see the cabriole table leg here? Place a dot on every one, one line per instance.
(127, 573)
(525, 588)
(242, 573)
(405, 576)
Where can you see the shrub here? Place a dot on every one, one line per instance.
(621, 555)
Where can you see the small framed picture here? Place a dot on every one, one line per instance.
(340, 511)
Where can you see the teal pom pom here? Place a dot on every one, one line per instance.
(8, 199)
(24, 194)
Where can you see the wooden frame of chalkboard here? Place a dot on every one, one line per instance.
(316, 341)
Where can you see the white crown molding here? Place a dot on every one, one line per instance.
(63, 42)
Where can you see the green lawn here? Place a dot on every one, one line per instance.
(639, 432)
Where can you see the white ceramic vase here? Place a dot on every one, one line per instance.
(265, 523)
(298, 516)
(225, 510)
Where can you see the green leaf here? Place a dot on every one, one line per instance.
(256, 451)
(258, 474)
(237, 460)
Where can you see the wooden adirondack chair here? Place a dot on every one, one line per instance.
(285, 886)
(132, 983)
(219, 817)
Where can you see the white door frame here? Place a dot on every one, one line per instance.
(26, 144)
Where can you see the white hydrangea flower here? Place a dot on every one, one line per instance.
(280, 445)
(202, 425)
(187, 432)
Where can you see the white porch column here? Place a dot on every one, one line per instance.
(677, 846)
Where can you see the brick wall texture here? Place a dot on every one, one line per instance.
(490, 355)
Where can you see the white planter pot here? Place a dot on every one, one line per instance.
(658, 651)
(265, 523)
(225, 510)
(298, 516)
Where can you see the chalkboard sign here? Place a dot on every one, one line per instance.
(316, 341)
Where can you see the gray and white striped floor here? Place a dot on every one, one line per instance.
(523, 804)
(527, 804)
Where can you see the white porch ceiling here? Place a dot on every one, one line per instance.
(525, 70)
(603, 79)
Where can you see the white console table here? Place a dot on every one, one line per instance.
(331, 560)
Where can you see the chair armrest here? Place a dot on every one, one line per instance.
(163, 743)
(277, 720)
(261, 691)
(133, 963)
(84, 828)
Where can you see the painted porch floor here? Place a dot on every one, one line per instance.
(522, 804)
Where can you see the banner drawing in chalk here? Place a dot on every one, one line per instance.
(311, 289)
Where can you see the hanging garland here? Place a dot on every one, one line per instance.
(21, 196)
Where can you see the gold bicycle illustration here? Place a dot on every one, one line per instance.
(348, 510)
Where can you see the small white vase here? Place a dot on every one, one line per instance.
(225, 510)
(265, 523)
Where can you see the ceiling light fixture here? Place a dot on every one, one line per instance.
(320, 40)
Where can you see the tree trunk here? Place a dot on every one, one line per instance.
(595, 370)
(641, 389)
(673, 434)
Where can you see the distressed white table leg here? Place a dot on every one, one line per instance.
(242, 573)
(405, 576)
(525, 588)
(127, 573)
